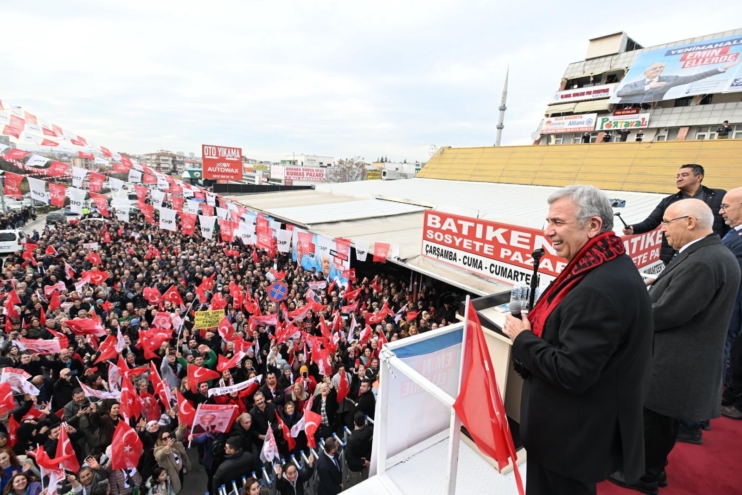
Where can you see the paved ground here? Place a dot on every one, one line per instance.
(195, 480)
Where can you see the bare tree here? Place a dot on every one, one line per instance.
(347, 170)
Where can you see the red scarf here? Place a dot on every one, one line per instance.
(598, 250)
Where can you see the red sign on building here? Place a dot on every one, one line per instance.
(221, 162)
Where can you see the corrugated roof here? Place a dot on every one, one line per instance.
(341, 212)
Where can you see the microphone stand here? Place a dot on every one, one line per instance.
(536, 255)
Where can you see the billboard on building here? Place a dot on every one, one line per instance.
(307, 174)
(701, 68)
(569, 123)
(613, 122)
(503, 252)
(581, 94)
(221, 162)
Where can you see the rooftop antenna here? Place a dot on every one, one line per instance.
(503, 107)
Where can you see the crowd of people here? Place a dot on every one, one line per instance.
(49, 296)
(17, 218)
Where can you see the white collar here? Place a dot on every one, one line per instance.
(690, 244)
(738, 228)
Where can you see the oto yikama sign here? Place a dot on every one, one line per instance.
(208, 319)
(221, 162)
(503, 252)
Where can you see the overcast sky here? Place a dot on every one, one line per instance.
(332, 78)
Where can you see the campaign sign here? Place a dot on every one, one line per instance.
(221, 162)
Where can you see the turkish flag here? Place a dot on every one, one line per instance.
(7, 402)
(54, 302)
(12, 430)
(151, 340)
(225, 329)
(94, 258)
(286, 432)
(186, 412)
(86, 326)
(312, 420)
(51, 289)
(152, 295)
(51, 251)
(366, 335)
(218, 301)
(351, 295)
(351, 308)
(126, 447)
(376, 286)
(107, 350)
(150, 408)
(131, 404)
(343, 387)
(163, 320)
(65, 451)
(198, 374)
(479, 405)
(233, 362)
(412, 315)
(161, 388)
(44, 461)
(96, 277)
(173, 296)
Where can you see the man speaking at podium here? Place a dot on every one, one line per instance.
(585, 351)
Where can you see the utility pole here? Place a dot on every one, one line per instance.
(503, 107)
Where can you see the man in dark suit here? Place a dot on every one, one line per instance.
(329, 471)
(584, 350)
(688, 181)
(692, 301)
(653, 86)
(271, 390)
(731, 400)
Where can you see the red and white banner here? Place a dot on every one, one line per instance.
(214, 418)
(644, 251)
(57, 194)
(13, 185)
(221, 162)
(38, 346)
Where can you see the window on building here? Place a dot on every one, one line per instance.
(706, 100)
(706, 133)
(683, 102)
(577, 139)
(660, 137)
(558, 139)
(612, 78)
(737, 132)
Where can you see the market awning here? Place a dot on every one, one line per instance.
(560, 108)
(592, 106)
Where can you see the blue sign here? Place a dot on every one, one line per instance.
(278, 291)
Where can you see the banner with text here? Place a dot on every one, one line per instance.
(614, 122)
(570, 123)
(307, 174)
(588, 93)
(208, 319)
(221, 162)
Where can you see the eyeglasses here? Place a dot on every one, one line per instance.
(665, 222)
(726, 207)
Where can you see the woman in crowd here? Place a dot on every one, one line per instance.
(159, 483)
(172, 457)
(22, 484)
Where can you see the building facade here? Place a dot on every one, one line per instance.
(682, 90)
(302, 160)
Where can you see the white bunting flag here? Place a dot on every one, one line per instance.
(135, 176)
(246, 232)
(207, 226)
(210, 199)
(283, 237)
(116, 185)
(77, 198)
(157, 197)
(222, 213)
(361, 249)
(162, 183)
(38, 190)
(167, 219)
(37, 161)
(122, 215)
(190, 206)
(78, 176)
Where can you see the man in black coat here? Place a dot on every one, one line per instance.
(329, 470)
(732, 397)
(688, 181)
(237, 463)
(366, 403)
(585, 353)
(358, 450)
(263, 414)
(271, 390)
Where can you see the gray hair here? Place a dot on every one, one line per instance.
(590, 201)
(697, 209)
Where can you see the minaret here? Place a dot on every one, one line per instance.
(500, 124)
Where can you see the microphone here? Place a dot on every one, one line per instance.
(515, 308)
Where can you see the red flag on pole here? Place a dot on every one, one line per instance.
(65, 451)
(479, 404)
(343, 387)
(126, 447)
(186, 412)
(197, 374)
(286, 432)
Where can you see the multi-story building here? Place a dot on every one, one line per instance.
(167, 161)
(682, 90)
(302, 160)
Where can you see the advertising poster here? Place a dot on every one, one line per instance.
(612, 122)
(322, 254)
(221, 162)
(569, 123)
(701, 68)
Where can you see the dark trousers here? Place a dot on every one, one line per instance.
(733, 393)
(660, 434)
(540, 481)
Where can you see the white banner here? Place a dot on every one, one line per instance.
(587, 93)
(135, 176)
(234, 388)
(570, 123)
(187, 193)
(222, 213)
(246, 232)
(38, 190)
(157, 196)
(37, 161)
(78, 175)
(77, 199)
(361, 249)
(167, 219)
(207, 226)
(122, 215)
(162, 183)
(115, 184)
(283, 237)
(210, 199)
(190, 206)
(100, 161)
(617, 122)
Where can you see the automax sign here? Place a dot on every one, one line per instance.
(569, 123)
(221, 162)
(589, 93)
(612, 122)
(503, 252)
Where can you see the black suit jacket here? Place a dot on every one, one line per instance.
(582, 406)
(331, 406)
(330, 477)
(734, 242)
